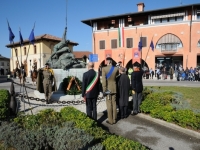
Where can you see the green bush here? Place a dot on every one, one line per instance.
(4, 103)
(160, 104)
(186, 118)
(67, 129)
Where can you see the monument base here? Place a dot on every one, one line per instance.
(58, 96)
(59, 75)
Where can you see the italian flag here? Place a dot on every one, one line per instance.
(121, 36)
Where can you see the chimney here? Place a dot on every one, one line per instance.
(140, 7)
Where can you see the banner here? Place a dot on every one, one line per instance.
(93, 58)
(136, 55)
(108, 53)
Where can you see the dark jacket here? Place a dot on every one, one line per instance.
(87, 79)
(136, 81)
(124, 87)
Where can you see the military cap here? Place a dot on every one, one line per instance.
(47, 64)
(108, 58)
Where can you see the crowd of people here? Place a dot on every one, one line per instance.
(173, 72)
(115, 86)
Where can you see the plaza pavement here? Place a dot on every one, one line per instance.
(153, 133)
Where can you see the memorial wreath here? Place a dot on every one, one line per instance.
(71, 85)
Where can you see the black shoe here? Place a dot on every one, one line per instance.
(108, 122)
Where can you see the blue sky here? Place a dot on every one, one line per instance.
(50, 17)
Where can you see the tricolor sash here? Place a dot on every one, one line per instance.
(110, 72)
(92, 83)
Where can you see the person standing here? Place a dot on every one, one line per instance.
(48, 82)
(124, 87)
(137, 88)
(90, 90)
(109, 74)
(171, 73)
(158, 73)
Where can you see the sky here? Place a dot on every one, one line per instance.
(52, 16)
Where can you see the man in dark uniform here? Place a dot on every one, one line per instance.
(109, 74)
(90, 90)
(137, 87)
(124, 87)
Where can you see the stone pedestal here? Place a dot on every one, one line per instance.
(60, 74)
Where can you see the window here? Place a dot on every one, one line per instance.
(102, 44)
(2, 63)
(179, 18)
(8, 64)
(144, 41)
(129, 42)
(24, 50)
(171, 19)
(169, 47)
(157, 21)
(164, 20)
(198, 16)
(35, 49)
(114, 43)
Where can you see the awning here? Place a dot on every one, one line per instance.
(169, 38)
(167, 15)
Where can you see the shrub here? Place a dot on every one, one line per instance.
(186, 118)
(4, 103)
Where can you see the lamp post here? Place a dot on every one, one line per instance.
(30, 67)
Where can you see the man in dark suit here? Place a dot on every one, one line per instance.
(90, 90)
(137, 88)
(109, 74)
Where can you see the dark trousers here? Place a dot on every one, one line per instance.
(91, 108)
(137, 100)
(123, 111)
(158, 76)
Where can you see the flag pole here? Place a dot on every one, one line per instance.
(93, 38)
(147, 52)
(29, 43)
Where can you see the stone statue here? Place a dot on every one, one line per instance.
(62, 57)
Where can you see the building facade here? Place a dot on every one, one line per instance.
(4, 65)
(175, 33)
(34, 55)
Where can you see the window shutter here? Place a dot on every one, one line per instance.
(102, 44)
(129, 42)
(114, 43)
(144, 41)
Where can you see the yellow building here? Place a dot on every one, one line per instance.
(36, 54)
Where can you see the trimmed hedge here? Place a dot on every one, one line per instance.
(159, 104)
(4, 103)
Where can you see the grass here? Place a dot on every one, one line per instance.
(190, 94)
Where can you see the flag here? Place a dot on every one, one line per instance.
(32, 37)
(152, 45)
(21, 41)
(121, 36)
(140, 44)
(11, 35)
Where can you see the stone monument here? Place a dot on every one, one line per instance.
(64, 64)
(62, 57)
